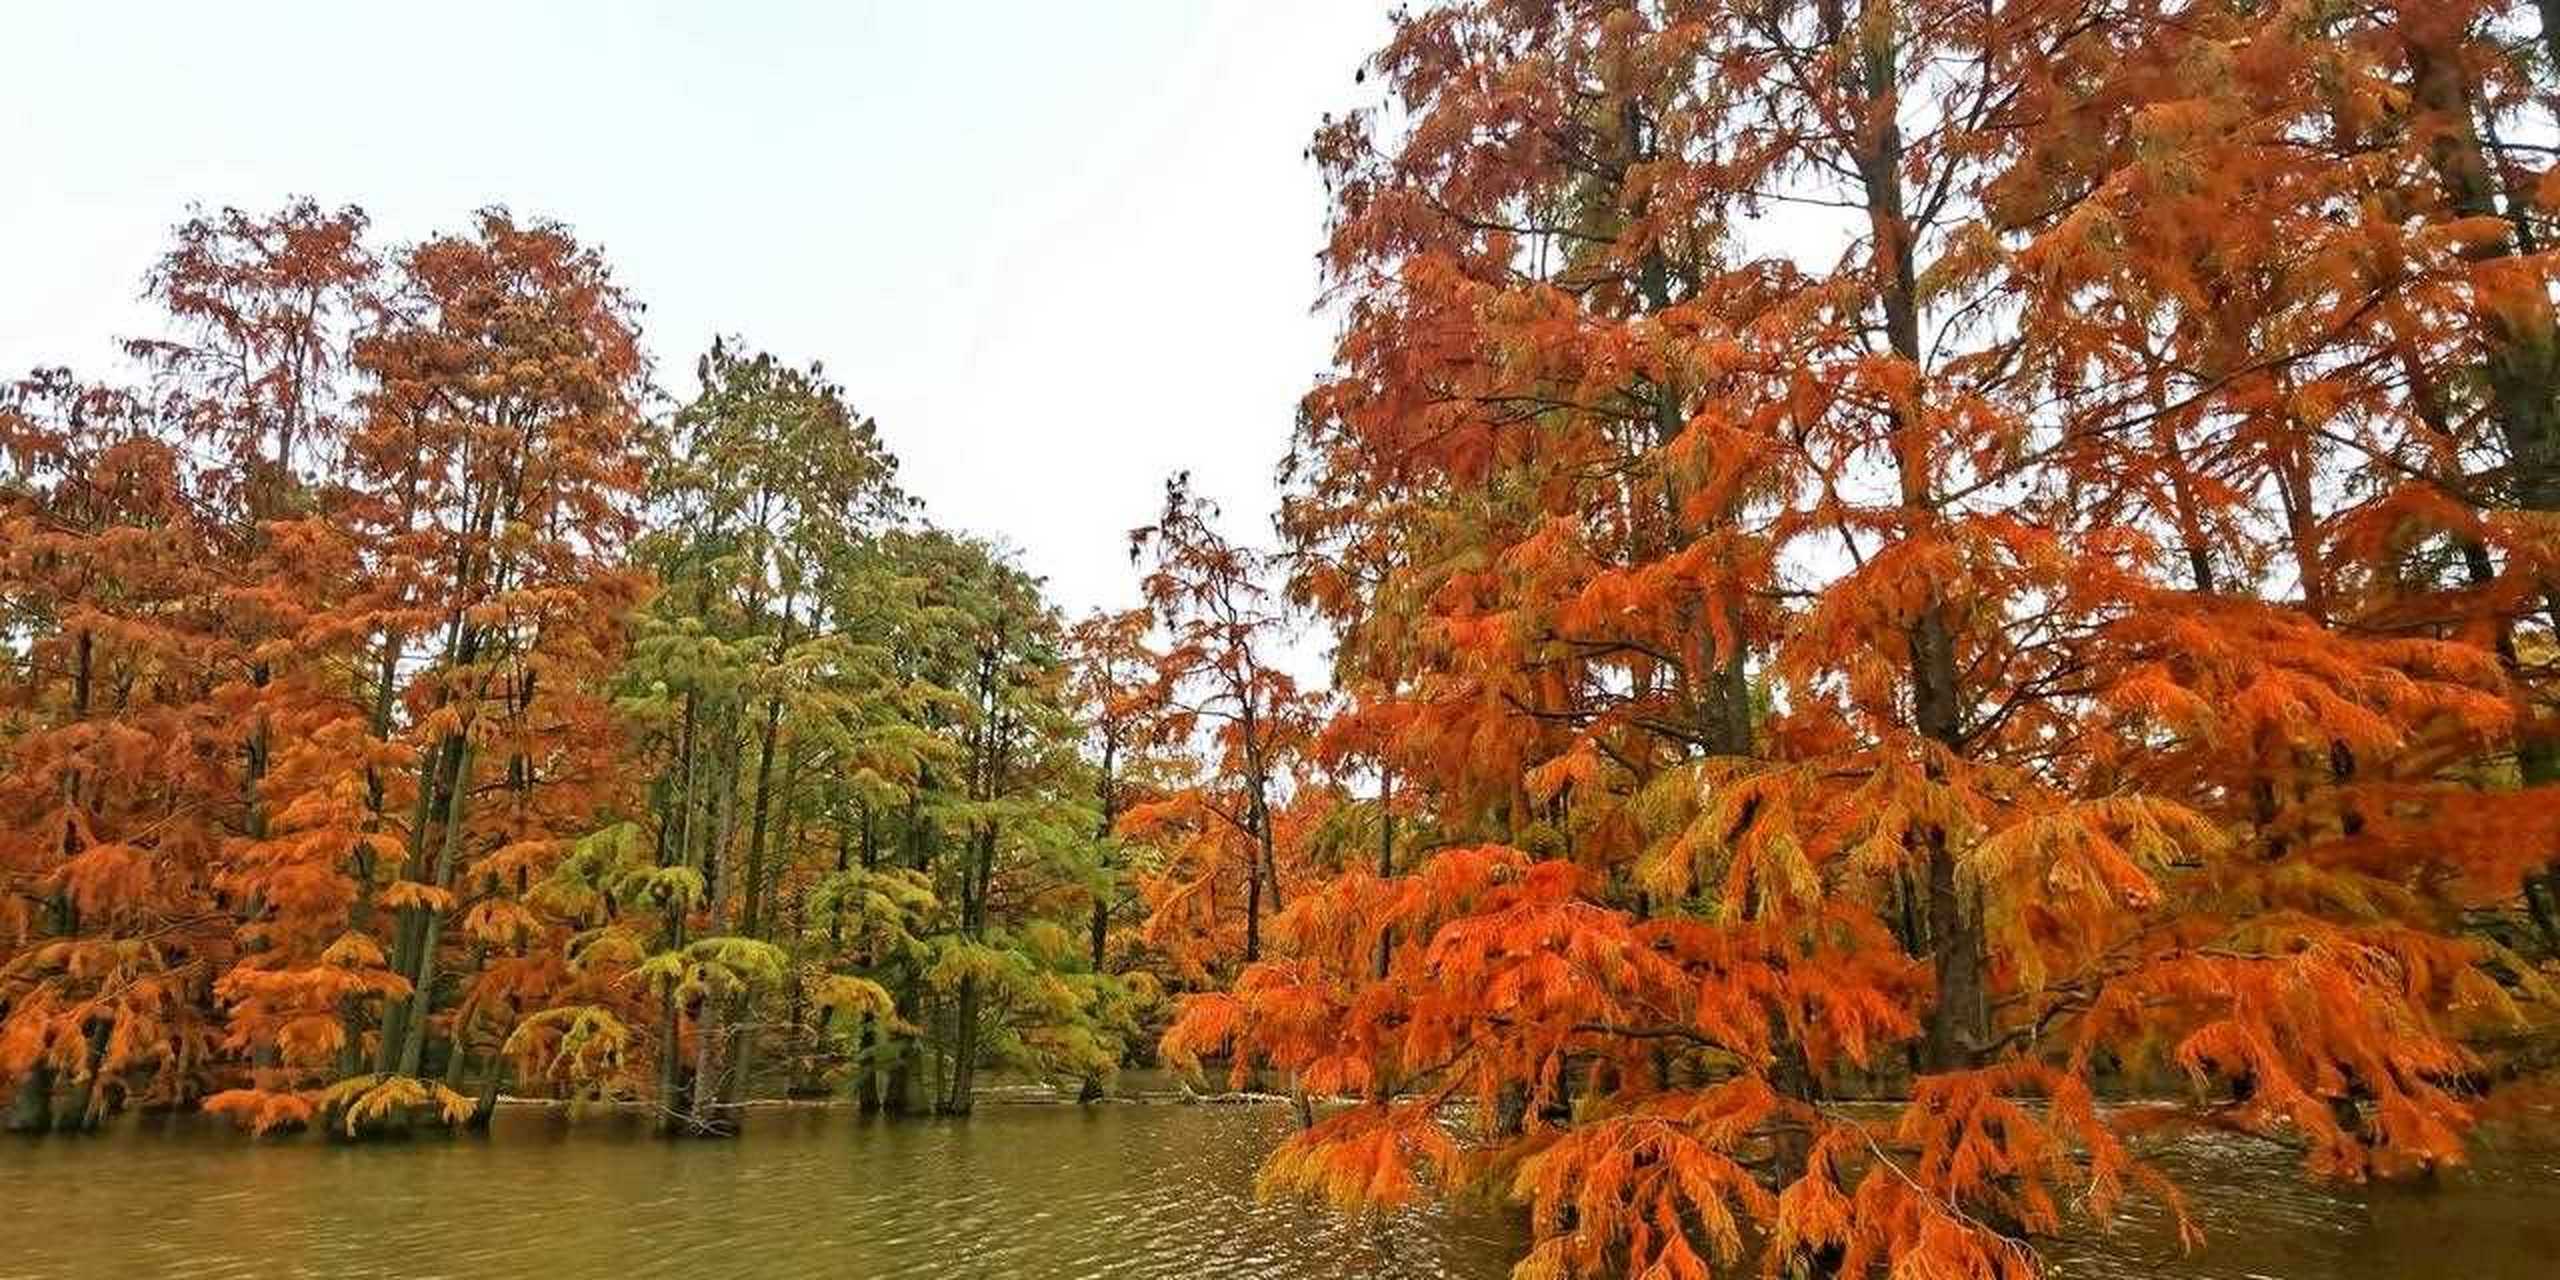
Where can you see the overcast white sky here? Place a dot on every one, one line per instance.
(1058, 250)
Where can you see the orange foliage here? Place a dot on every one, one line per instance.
(1966, 558)
(365, 520)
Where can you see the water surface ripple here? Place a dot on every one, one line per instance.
(1126, 1192)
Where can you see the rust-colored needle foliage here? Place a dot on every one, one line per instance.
(308, 667)
(1917, 565)
(1918, 588)
(1217, 679)
(394, 712)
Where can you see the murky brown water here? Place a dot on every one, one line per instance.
(1115, 1191)
(2496, 1219)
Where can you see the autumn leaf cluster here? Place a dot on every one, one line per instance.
(402, 702)
(1977, 560)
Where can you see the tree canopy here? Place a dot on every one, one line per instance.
(1895, 577)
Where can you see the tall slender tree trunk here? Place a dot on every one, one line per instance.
(1253, 902)
(447, 870)
(1264, 862)
(31, 1110)
(965, 1018)
(739, 1044)
(444, 779)
(710, 1032)
(1386, 855)
(907, 1060)
(360, 912)
(1959, 1019)
(409, 927)
(1723, 704)
(1106, 798)
(680, 854)
(2519, 331)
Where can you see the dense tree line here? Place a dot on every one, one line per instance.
(400, 706)
(1977, 558)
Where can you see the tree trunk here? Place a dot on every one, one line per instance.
(905, 1077)
(710, 1032)
(448, 859)
(964, 1050)
(410, 929)
(670, 1011)
(1958, 1019)
(31, 1111)
(1106, 797)
(1253, 904)
(1723, 706)
(1386, 856)
(740, 1046)
(2521, 334)
(866, 1079)
(964, 1038)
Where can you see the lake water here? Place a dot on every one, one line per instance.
(1015, 1191)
